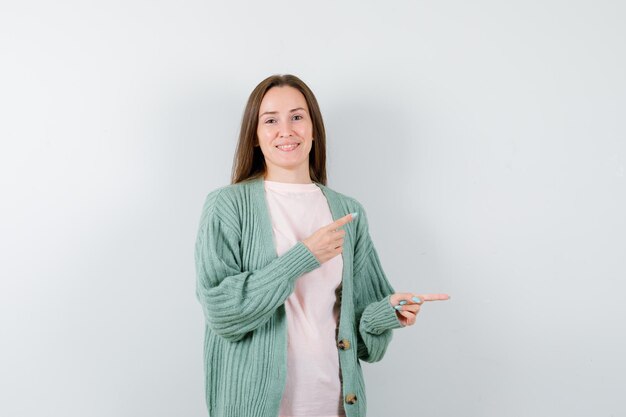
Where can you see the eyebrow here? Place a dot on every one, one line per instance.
(275, 112)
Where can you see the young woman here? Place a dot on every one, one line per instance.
(288, 320)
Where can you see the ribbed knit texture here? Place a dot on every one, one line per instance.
(242, 285)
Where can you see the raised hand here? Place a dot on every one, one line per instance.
(327, 242)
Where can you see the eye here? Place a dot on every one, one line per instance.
(297, 115)
(269, 121)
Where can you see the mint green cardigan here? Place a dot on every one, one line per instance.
(242, 286)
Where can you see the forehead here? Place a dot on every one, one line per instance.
(282, 98)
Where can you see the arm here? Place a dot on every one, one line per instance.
(235, 301)
(375, 315)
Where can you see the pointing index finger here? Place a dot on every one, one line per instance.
(342, 220)
(433, 297)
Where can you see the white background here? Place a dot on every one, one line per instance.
(486, 140)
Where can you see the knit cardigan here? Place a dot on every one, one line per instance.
(242, 286)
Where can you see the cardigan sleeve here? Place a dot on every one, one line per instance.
(375, 316)
(234, 301)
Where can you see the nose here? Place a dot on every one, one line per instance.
(285, 129)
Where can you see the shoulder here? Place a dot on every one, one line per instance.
(225, 202)
(350, 204)
(345, 199)
(215, 199)
(224, 193)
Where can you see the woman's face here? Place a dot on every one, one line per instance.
(284, 119)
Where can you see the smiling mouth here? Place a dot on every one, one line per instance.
(288, 148)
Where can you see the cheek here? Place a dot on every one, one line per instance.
(261, 133)
(306, 130)
(265, 131)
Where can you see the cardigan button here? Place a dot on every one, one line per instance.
(344, 344)
(351, 398)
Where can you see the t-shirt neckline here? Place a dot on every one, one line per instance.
(288, 186)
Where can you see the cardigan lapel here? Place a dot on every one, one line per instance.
(265, 220)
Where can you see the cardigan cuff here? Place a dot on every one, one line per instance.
(298, 260)
(380, 316)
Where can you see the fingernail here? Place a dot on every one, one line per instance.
(416, 299)
(402, 302)
(354, 214)
(398, 307)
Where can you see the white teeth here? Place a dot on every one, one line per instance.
(287, 147)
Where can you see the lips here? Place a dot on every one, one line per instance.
(288, 147)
